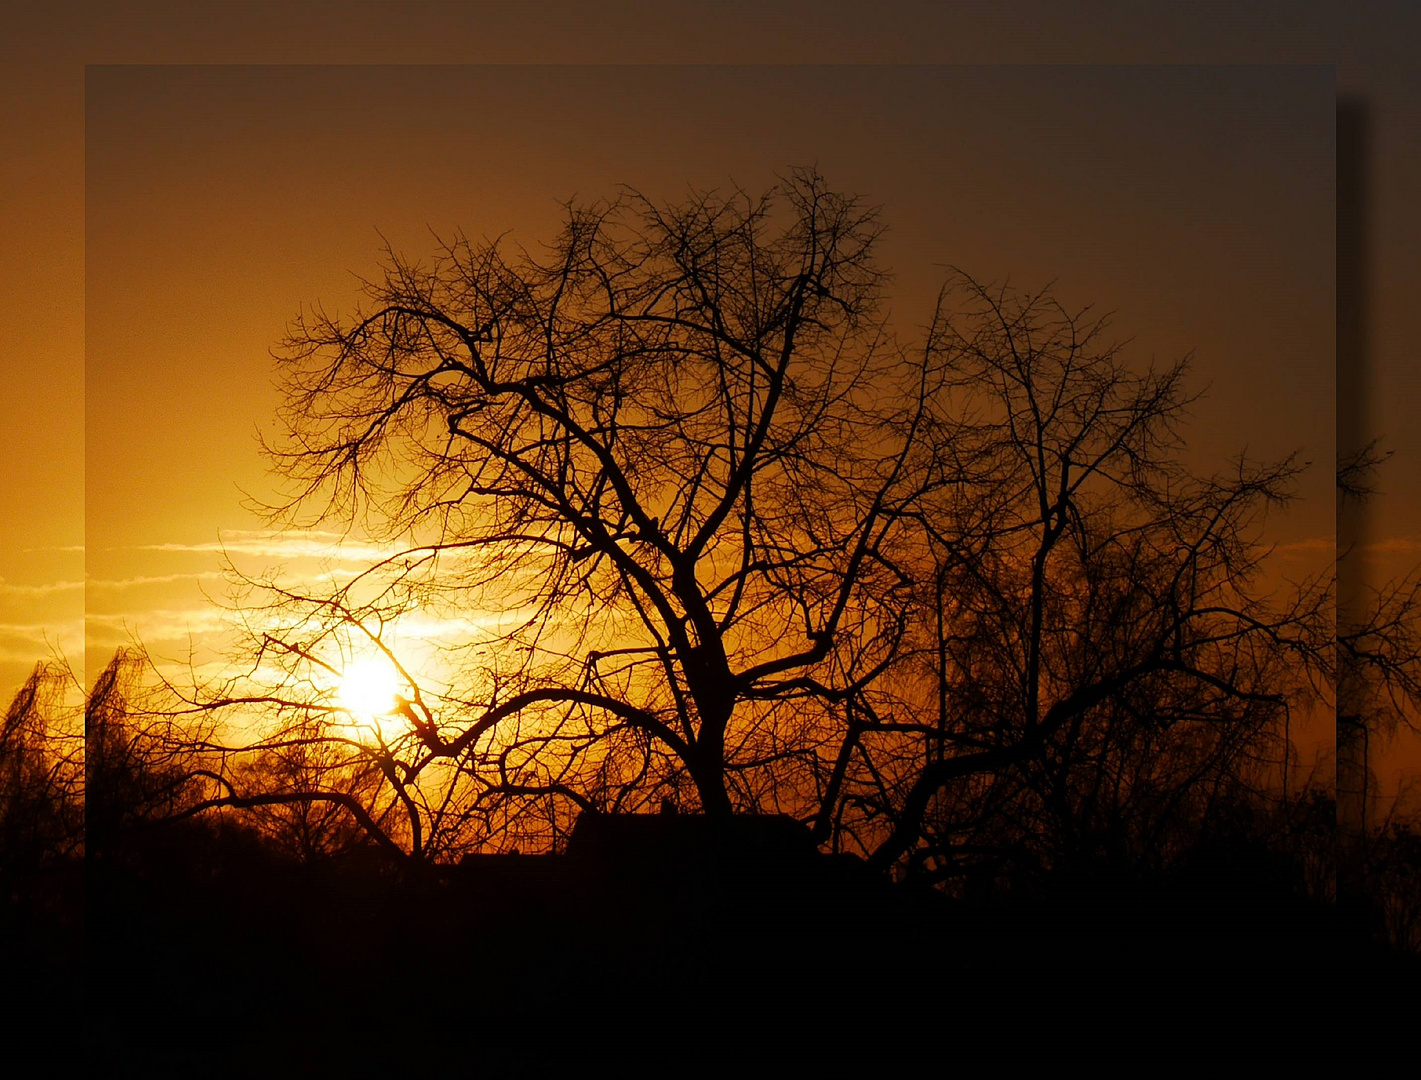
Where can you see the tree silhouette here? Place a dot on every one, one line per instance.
(42, 848)
(139, 767)
(1378, 649)
(707, 535)
(41, 774)
(1378, 692)
(664, 463)
(1102, 652)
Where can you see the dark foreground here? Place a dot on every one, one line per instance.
(660, 948)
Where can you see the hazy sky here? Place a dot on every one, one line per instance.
(1195, 201)
(1198, 202)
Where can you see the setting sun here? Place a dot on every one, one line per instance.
(368, 688)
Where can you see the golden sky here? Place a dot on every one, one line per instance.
(175, 218)
(1197, 202)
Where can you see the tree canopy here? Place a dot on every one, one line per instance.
(704, 530)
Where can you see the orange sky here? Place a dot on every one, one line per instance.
(1197, 202)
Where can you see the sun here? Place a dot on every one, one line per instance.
(368, 688)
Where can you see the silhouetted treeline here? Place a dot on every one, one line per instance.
(211, 930)
(960, 692)
(42, 851)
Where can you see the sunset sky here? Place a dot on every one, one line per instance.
(219, 201)
(1197, 202)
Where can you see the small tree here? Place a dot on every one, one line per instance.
(139, 767)
(41, 774)
(1378, 646)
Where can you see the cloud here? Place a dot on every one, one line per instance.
(35, 628)
(1391, 545)
(7, 589)
(157, 579)
(1398, 545)
(435, 629)
(1308, 546)
(161, 624)
(24, 643)
(27, 657)
(280, 545)
(1329, 543)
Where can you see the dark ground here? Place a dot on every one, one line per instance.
(658, 947)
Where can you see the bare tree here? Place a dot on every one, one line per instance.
(41, 773)
(1378, 645)
(664, 465)
(1102, 652)
(140, 767)
(1378, 880)
(704, 533)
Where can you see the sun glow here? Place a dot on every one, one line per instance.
(368, 689)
